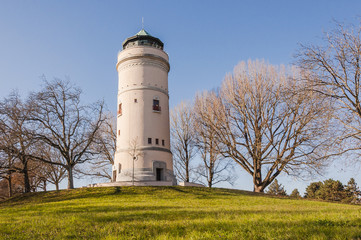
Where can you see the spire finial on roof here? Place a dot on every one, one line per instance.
(142, 23)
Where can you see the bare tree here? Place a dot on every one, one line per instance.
(17, 186)
(7, 168)
(334, 71)
(214, 167)
(52, 173)
(265, 125)
(65, 125)
(15, 141)
(10, 166)
(37, 175)
(182, 138)
(105, 147)
(55, 174)
(135, 153)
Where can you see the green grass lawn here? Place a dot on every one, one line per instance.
(173, 213)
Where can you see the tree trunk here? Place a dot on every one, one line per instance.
(257, 188)
(257, 177)
(210, 176)
(27, 187)
(57, 186)
(70, 177)
(187, 171)
(44, 185)
(210, 171)
(10, 186)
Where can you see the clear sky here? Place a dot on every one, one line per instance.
(204, 39)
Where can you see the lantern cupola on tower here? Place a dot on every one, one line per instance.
(143, 38)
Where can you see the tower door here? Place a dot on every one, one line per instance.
(159, 174)
(159, 170)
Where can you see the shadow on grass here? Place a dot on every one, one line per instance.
(170, 224)
(130, 214)
(64, 195)
(188, 216)
(173, 192)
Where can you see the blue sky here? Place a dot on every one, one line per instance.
(204, 39)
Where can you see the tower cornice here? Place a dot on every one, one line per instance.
(145, 56)
(145, 88)
(147, 149)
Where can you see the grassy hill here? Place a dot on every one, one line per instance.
(173, 213)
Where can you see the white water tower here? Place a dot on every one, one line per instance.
(143, 155)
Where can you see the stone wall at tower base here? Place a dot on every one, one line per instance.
(115, 184)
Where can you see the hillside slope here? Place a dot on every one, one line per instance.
(173, 213)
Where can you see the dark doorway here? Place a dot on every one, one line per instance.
(114, 175)
(159, 172)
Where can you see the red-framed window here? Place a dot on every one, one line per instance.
(156, 106)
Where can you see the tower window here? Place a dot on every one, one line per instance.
(118, 132)
(135, 100)
(120, 109)
(163, 143)
(156, 106)
(149, 140)
(157, 141)
(119, 168)
(114, 175)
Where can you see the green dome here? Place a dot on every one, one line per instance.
(143, 38)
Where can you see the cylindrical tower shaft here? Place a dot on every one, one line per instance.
(143, 153)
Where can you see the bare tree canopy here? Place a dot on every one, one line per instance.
(7, 168)
(333, 70)
(182, 137)
(105, 147)
(214, 167)
(53, 173)
(266, 124)
(15, 141)
(65, 124)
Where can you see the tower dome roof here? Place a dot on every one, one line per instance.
(143, 38)
(142, 33)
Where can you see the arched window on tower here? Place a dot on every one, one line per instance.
(156, 106)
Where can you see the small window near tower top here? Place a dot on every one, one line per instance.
(163, 143)
(119, 168)
(118, 132)
(135, 100)
(149, 140)
(120, 109)
(157, 141)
